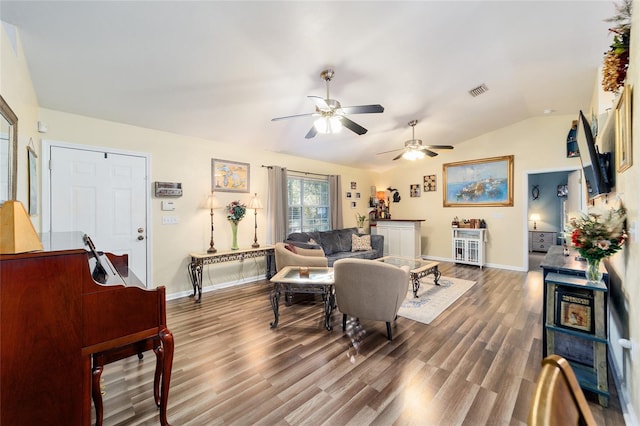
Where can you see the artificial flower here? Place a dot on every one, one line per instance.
(599, 233)
(236, 211)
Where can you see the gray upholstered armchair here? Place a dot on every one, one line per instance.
(369, 289)
(298, 257)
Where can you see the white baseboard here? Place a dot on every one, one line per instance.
(207, 289)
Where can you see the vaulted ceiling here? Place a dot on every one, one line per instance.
(221, 70)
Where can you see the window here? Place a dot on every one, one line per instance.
(308, 203)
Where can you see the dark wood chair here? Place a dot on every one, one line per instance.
(558, 399)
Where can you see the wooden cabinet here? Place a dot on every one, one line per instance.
(401, 237)
(541, 241)
(468, 245)
(575, 328)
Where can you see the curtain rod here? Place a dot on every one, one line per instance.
(298, 171)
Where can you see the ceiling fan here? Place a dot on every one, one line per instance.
(413, 149)
(331, 115)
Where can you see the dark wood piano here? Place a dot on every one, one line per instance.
(59, 327)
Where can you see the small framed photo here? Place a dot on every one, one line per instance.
(348, 195)
(429, 183)
(563, 190)
(354, 185)
(357, 195)
(414, 190)
(353, 204)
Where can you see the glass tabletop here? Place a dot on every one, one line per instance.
(297, 275)
(405, 261)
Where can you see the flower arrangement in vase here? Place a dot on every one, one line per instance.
(597, 235)
(235, 212)
(360, 220)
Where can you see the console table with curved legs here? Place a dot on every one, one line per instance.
(199, 260)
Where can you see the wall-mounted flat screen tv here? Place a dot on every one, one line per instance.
(595, 166)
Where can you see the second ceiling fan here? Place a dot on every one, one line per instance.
(331, 115)
(413, 149)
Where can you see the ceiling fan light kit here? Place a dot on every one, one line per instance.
(328, 125)
(413, 149)
(331, 115)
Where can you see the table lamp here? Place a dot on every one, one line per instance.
(534, 217)
(212, 203)
(255, 204)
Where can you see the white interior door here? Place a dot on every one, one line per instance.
(104, 195)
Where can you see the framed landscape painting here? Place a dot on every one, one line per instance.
(229, 176)
(484, 182)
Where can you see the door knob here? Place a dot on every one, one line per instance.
(140, 237)
(140, 230)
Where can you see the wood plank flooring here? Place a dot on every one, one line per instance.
(476, 364)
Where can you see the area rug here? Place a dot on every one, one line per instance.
(433, 299)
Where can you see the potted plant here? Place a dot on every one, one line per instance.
(360, 220)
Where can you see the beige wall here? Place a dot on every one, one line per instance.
(17, 90)
(176, 158)
(624, 265)
(537, 144)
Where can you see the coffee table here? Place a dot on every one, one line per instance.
(419, 268)
(319, 280)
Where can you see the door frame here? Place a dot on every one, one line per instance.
(45, 184)
(525, 211)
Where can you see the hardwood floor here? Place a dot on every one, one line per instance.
(475, 364)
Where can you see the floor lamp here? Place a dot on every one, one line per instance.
(212, 203)
(255, 204)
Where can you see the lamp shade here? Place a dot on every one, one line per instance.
(212, 201)
(413, 154)
(380, 195)
(255, 203)
(17, 234)
(534, 217)
(328, 124)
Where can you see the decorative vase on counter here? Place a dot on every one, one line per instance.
(593, 273)
(234, 233)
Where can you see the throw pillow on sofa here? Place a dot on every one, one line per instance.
(362, 243)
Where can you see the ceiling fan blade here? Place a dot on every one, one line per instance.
(353, 126)
(393, 150)
(439, 146)
(293, 116)
(311, 133)
(398, 156)
(321, 103)
(363, 109)
(429, 153)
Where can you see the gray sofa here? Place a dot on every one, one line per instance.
(337, 244)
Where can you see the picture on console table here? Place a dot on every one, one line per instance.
(229, 176)
(484, 182)
(574, 309)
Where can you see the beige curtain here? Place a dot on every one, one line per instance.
(335, 201)
(277, 205)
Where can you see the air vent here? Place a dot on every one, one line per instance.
(477, 91)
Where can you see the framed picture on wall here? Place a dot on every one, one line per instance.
(483, 182)
(429, 183)
(229, 176)
(624, 158)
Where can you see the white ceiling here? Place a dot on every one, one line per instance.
(220, 70)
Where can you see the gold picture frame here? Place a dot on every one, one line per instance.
(474, 183)
(624, 155)
(229, 176)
